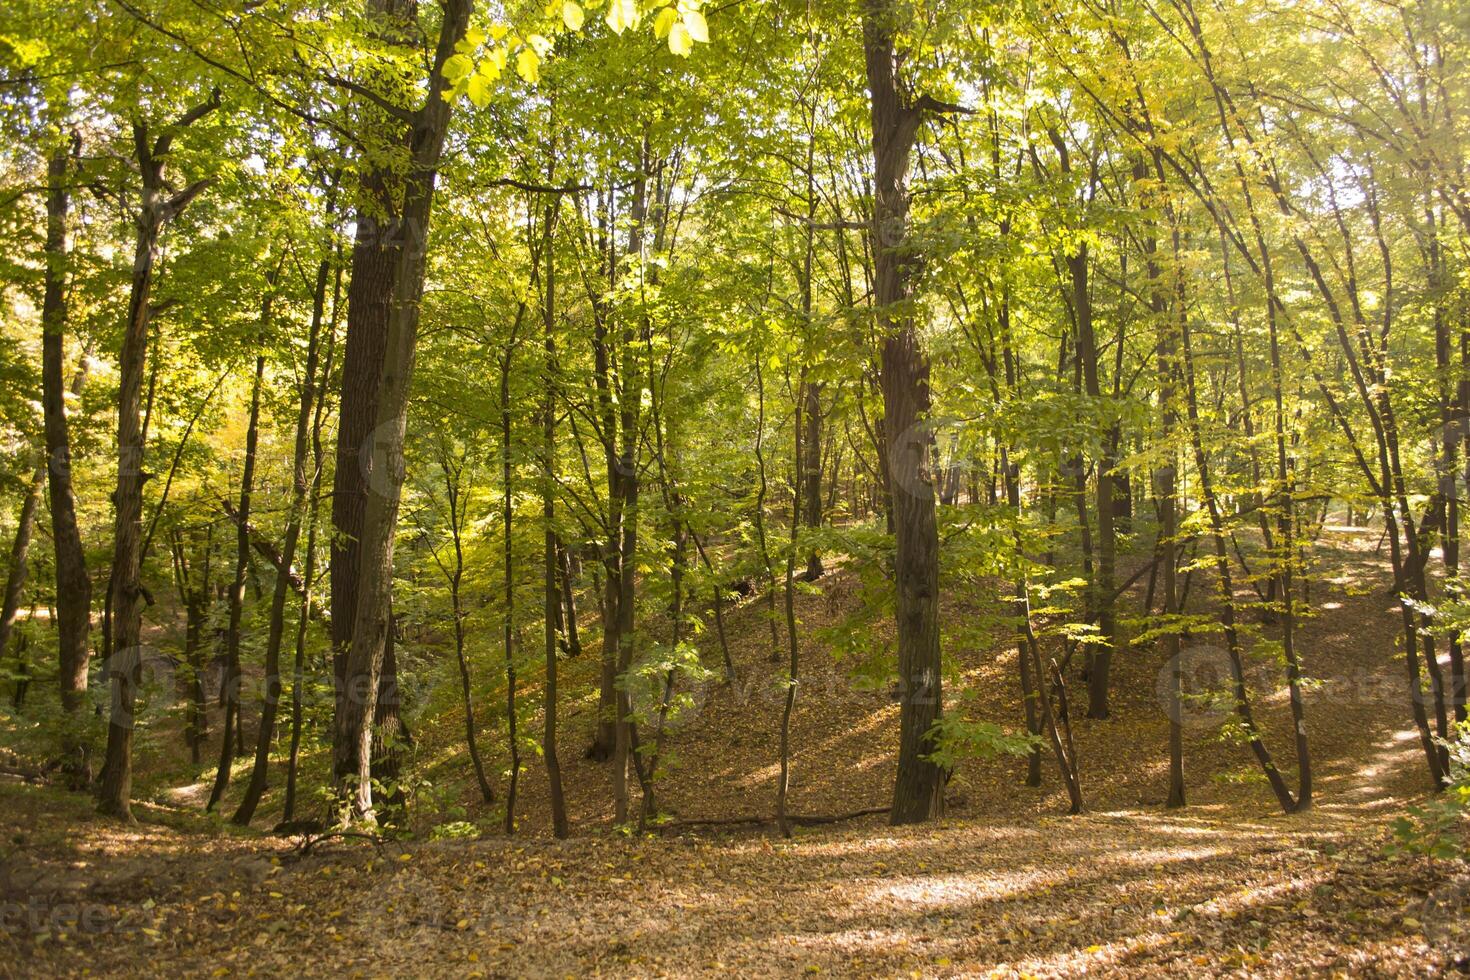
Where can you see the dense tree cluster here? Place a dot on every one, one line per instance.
(377, 341)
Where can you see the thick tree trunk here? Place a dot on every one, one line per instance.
(918, 792)
(364, 662)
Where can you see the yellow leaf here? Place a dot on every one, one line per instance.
(528, 65)
(695, 23)
(621, 15)
(664, 21)
(572, 16)
(679, 41)
(479, 92)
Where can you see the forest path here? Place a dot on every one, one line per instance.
(1004, 886)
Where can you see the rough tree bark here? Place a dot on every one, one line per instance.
(364, 661)
(918, 792)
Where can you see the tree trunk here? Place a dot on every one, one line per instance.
(15, 579)
(73, 587)
(126, 594)
(300, 486)
(230, 690)
(553, 554)
(309, 574)
(363, 667)
(919, 785)
(508, 594)
(1099, 657)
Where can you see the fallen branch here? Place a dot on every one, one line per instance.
(308, 841)
(801, 820)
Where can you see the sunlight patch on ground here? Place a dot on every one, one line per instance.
(956, 891)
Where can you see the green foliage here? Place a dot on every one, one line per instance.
(957, 739)
(1440, 827)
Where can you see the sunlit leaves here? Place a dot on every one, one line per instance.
(679, 24)
(695, 24)
(621, 15)
(528, 65)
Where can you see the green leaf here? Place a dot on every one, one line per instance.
(664, 22)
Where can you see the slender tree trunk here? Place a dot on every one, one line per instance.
(1166, 491)
(73, 587)
(1099, 656)
(572, 637)
(759, 514)
(626, 526)
(15, 578)
(230, 689)
(126, 593)
(458, 507)
(553, 555)
(784, 781)
(309, 573)
(508, 606)
(301, 486)
(1225, 586)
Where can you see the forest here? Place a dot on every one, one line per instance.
(682, 487)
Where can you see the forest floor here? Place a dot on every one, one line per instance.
(1005, 885)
